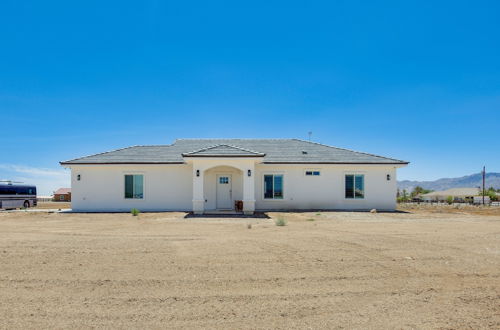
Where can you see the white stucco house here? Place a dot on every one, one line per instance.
(203, 175)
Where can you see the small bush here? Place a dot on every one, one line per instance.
(135, 212)
(249, 226)
(280, 222)
(310, 219)
(318, 214)
(449, 200)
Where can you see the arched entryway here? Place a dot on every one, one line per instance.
(222, 186)
(208, 170)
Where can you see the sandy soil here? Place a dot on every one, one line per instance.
(53, 205)
(323, 270)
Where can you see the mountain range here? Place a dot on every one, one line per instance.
(468, 181)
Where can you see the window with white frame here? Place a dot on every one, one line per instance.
(355, 186)
(134, 186)
(312, 173)
(273, 186)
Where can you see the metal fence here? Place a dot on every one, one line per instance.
(441, 203)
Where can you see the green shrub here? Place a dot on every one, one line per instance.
(280, 222)
(449, 200)
(135, 212)
(310, 219)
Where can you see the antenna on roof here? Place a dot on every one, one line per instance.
(309, 133)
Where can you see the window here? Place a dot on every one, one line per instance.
(61, 197)
(134, 186)
(273, 186)
(313, 173)
(224, 180)
(354, 186)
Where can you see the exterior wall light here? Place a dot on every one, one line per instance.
(249, 172)
(78, 177)
(197, 172)
(388, 177)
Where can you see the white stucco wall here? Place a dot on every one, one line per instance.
(170, 187)
(101, 188)
(327, 191)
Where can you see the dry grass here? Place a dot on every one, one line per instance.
(158, 270)
(450, 209)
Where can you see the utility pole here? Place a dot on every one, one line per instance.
(484, 182)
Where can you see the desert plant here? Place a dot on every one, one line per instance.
(449, 200)
(318, 214)
(280, 222)
(249, 226)
(310, 219)
(135, 212)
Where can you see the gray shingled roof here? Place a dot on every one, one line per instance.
(223, 150)
(273, 150)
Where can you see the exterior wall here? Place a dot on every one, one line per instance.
(170, 187)
(327, 191)
(102, 188)
(62, 197)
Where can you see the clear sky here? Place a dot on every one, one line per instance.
(413, 80)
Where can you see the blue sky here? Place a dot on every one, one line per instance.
(414, 80)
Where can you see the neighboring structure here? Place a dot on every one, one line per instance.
(213, 174)
(44, 198)
(458, 195)
(62, 195)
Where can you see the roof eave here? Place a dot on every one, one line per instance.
(116, 163)
(339, 163)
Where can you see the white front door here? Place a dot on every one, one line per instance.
(224, 191)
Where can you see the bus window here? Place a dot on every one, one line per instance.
(7, 191)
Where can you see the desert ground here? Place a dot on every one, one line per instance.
(53, 205)
(422, 269)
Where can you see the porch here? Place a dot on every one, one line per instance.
(220, 181)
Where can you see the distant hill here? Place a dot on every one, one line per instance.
(469, 181)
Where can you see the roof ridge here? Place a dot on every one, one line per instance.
(220, 139)
(100, 153)
(153, 145)
(244, 149)
(198, 150)
(222, 144)
(345, 149)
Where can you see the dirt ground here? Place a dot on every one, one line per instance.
(53, 205)
(423, 269)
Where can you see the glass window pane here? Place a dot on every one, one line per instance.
(138, 186)
(129, 186)
(349, 186)
(309, 173)
(360, 186)
(268, 186)
(278, 186)
(316, 173)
